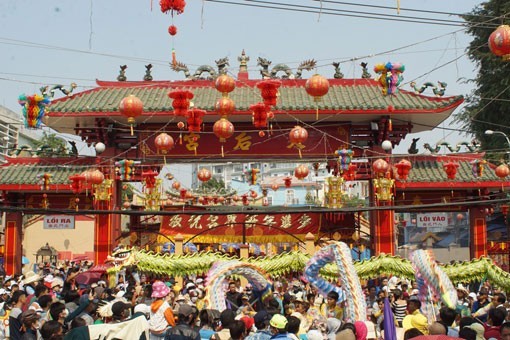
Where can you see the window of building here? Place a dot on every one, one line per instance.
(289, 196)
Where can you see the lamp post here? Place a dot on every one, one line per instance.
(491, 132)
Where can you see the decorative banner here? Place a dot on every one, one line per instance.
(229, 228)
(246, 142)
(58, 222)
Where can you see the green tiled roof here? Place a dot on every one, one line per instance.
(432, 171)
(344, 94)
(19, 174)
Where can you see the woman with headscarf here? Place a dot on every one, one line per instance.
(333, 326)
(361, 330)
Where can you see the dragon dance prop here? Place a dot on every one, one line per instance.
(199, 263)
(432, 281)
(220, 271)
(33, 109)
(339, 252)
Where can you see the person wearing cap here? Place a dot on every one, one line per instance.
(278, 325)
(161, 314)
(263, 332)
(481, 302)
(120, 311)
(30, 322)
(183, 330)
(462, 295)
(56, 286)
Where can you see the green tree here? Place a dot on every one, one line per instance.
(489, 105)
(52, 145)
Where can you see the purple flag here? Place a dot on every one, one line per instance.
(390, 332)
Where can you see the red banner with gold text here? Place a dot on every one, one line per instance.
(259, 228)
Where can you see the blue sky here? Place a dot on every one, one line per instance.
(83, 40)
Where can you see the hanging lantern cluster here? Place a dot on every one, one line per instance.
(126, 168)
(269, 91)
(252, 175)
(390, 76)
(181, 101)
(451, 169)
(350, 174)
(260, 115)
(223, 128)
(174, 7)
(403, 168)
(164, 143)
(151, 190)
(204, 175)
(317, 87)
(194, 119)
(45, 181)
(298, 135)
(33, 109)
(383, 184)
(301, 171)
(477, 167)
(499, 42)
(344, 158)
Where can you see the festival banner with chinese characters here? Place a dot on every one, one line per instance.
(250, 142)
(229, 228)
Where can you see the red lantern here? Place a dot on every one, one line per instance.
(245, 199)
(180, 125)
(225, 106)
(225, 84)
(350, 174)
(221, 200)
(451, 169)
(259, 112)
(301, 171)
(269, 91)
(261, 133)
(298, 136)
(95, 177)
(274, 187)
(380, 167)
(253, 194)
(235, 198)
(504, 209)
(181, 101)
(194, 119)
(317, 87)
(403, 168)
(499, 42)
(172, 6)
(223, 129)
(164, 143)
(460, 217)
(189, 195)
(172, 30)
(204, 175)
(182, 192)
(131, 107)
(287, 181)
(502, 171)
(149, 177)
(76, 183)
(176, 185)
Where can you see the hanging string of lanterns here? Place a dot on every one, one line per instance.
(223, 128)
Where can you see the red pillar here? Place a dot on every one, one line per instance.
(102, 233)
(384, 232)
(477, 233)
(13, 242)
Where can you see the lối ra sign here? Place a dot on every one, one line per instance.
(58, 222)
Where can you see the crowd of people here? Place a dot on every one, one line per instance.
(50, 304)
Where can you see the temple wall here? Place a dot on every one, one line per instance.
(71, 242)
